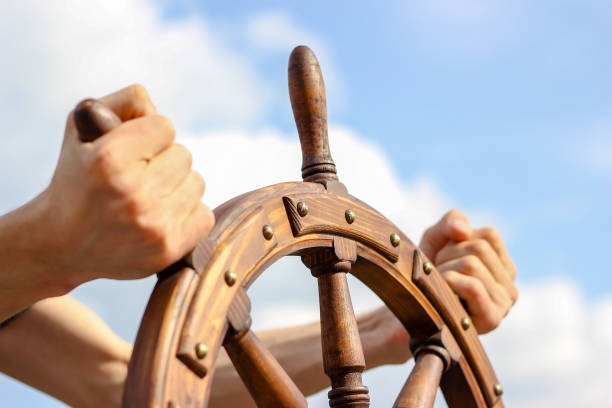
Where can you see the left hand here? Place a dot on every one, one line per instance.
(476, 266)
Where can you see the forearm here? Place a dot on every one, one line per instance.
(298, 350)
(26, 275)
(63, 349)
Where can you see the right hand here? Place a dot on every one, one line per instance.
(126, 205)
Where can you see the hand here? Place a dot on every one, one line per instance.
(127, 204)
(476, 265)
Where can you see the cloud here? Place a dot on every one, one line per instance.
(56, 53)
(275, 31)
(551, 351)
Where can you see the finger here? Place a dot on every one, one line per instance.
(492, 236)
(482, 250)
(187, 195)
(139, 139)
(472, 266)
(196, 226)
(454, 226)
(168, 169)
(130, 102)
(484, 312)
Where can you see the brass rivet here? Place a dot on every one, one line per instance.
(395, 239)
(268, 232)
(201, 350)
(427, 268)
(230, 278)
(350, 216)
(498, 390)
(465, 323)
(302, 208)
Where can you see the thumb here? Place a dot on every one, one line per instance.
(453, 226)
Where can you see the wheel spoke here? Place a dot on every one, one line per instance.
(343, 359)
(266, 380)
(420, 388)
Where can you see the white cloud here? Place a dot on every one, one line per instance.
(552, 350)
(275, 31)
(55, 53)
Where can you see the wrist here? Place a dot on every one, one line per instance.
(384, 339)
(29, 257)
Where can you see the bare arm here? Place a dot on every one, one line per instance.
(65, 350)
(298, 350)
(62, 348)
(131, 192)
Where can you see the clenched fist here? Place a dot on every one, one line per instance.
(127, 204)
(123, 207)
(476, 266)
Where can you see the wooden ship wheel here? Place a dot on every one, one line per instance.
(200, 304)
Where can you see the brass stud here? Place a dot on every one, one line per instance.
(201, 350)
(498, 390)
(349, 215)
(395, 239)
(268, 232)
(427, 268)
(302, 208)
(465, 323)
(230, 278)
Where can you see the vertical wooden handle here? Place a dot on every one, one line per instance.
(307, 93)
(93, 119)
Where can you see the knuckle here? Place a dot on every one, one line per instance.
(476, 290)
(470, 263)
(479, 247)
(490, 320)
(455, 213)
(185, 154)
(106, 162)
(166, 124)
(135, 208)
(513, 292)
(139, 93)
(490, 234)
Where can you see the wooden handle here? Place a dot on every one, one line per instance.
(93, 119)
(307, 93)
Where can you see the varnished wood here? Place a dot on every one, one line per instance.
(93, 119)
(448, 305)
(266, 380)
(193, 304)
(307, 93)
(326, 214)
(343, 359)
(419, 391)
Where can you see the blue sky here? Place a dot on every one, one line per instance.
(508, 107)
(501, 110)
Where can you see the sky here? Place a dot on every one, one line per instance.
(502, 110)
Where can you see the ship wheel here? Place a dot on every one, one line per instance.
(200, 304)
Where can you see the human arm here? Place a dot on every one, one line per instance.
(298, 351)
(62, 348)
(131, 193)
